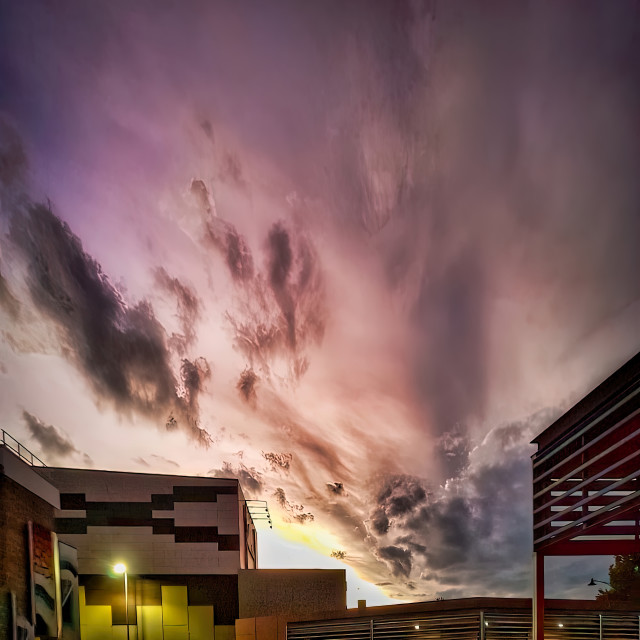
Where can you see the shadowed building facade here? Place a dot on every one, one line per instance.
(188, 543)
(586, 478)
(183, 540)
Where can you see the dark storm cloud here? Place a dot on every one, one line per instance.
(337, 488)
(455, 533)
(54, 443)
(398, 558)
(278, 461)
(453, 448)
(121, 349)
(223, 236)
(201, 194)
(250, 479)
(193, 376)
(401, 495)
(278, 312)
(247, 384)
(280, 261)
(380, 521)
(293, 511)
(285, 311)
(188, 310)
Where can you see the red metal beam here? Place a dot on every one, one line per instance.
(591, 547)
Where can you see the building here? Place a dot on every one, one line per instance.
(586, 478)
(469, 619)
(182, 539)
(189, 546)
(27, 501)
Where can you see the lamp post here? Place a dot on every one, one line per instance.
(592, 582)
(121, 568)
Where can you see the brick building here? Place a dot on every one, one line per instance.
(25, 497)
(188, 543)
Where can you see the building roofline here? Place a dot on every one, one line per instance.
(465, 604)
(45, 470)
(617, 385)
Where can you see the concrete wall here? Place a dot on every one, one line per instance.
(155, 524)
(19, 505)
(291, 592)
(263, 628)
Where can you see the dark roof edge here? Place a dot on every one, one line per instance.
(45, 470)
(463, 604)
(620, 382)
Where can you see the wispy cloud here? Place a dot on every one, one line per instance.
(55, 445)
(122, 349)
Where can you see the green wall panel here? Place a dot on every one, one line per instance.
(150, 622)
(119, 632)
(174, 606)
(97, 616)
(94, 632)
(201, 623)
(176, 633)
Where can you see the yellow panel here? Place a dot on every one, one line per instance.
(83, 614)
(201, 623)
(95, 632)
(97, 616)
(174, 606)
(225, 632)
(176, 633)
(119, 632)
(150, 622)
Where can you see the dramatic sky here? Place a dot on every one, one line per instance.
(355, 253)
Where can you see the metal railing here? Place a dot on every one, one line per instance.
(20, 450)
(472, 625)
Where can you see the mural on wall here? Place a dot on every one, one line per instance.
(43, 585)
(69, 607)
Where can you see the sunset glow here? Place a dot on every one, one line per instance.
(356, 254)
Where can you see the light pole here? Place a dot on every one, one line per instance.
(121, 568)
(592, 582)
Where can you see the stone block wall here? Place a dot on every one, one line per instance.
(17, 507)
(291, 592)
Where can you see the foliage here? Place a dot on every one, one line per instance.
(624, 578)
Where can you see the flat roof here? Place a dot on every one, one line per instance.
(47, 470)
(616, 386)
(466, 604)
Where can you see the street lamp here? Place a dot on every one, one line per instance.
(121, 568)
(592, 582)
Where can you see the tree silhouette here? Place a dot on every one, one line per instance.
(624, 578)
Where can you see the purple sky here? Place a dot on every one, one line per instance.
(355, 253)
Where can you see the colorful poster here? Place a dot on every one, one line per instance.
(43, 584)
(69, 606)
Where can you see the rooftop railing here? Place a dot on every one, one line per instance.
(20, 450)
